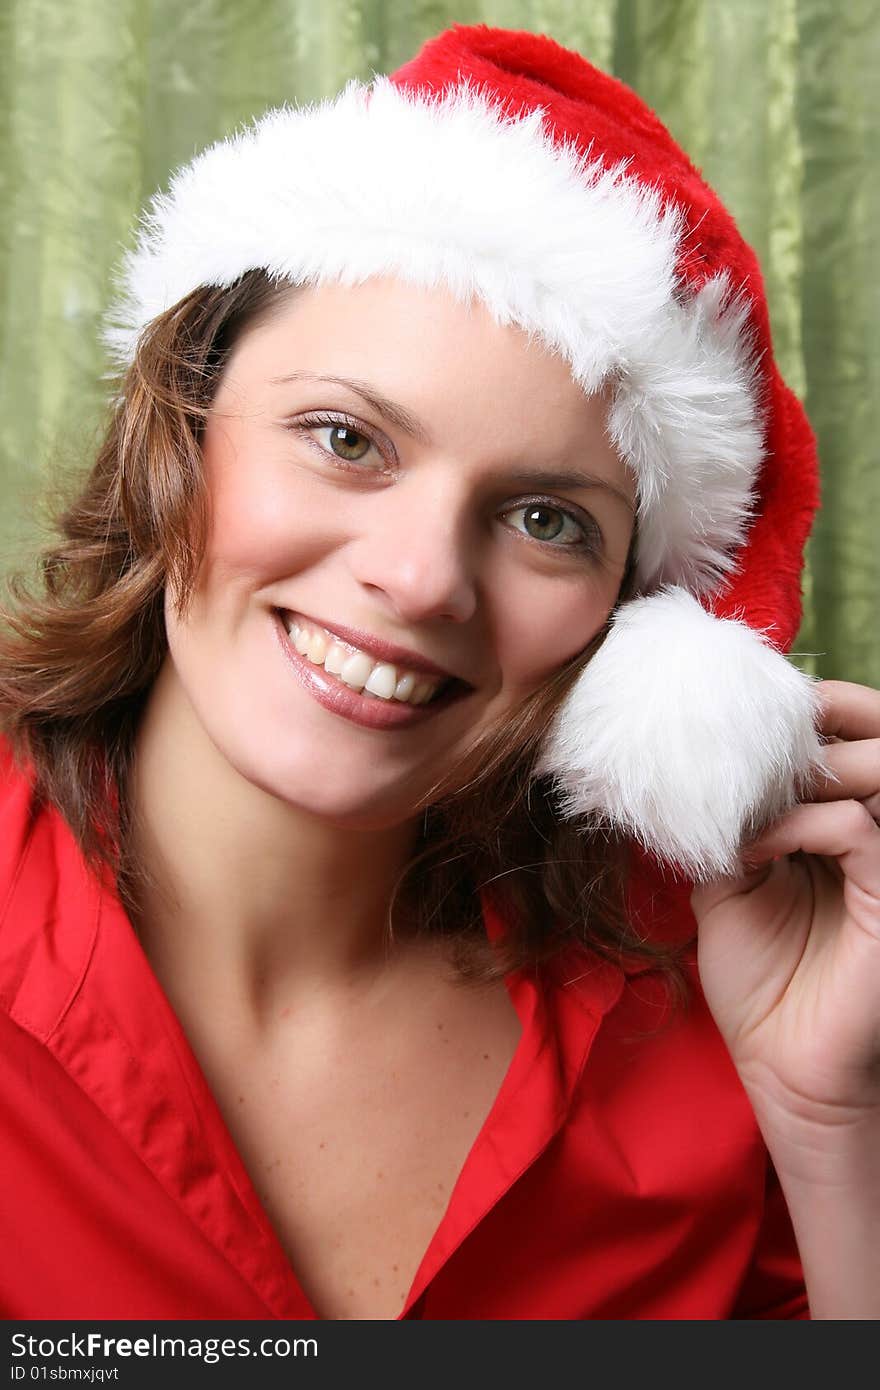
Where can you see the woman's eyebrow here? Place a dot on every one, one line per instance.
(391, 411)
(567, 481)
(564, 481)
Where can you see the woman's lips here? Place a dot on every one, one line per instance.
(368, 711)
(378, 647)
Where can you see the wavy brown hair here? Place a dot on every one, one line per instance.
(83, 638)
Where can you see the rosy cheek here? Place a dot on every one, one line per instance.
(552, 626)
(256, 506)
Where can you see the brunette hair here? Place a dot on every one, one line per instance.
(82, 641)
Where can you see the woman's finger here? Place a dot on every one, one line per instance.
(849, 711)
(855, 768)
(843, 830)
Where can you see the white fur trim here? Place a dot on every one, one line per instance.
(688, 732)
(448, 190)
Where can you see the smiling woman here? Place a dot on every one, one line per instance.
(423, 544)
(205, 394)
(399, 675)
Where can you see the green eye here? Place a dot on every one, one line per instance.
(347, 443)
(342, 439)
(541, 521)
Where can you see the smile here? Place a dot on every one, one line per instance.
(355, 684)
(357, 669)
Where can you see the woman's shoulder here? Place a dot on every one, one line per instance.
(17, 806)
(16, 780)
(652, 1040)
(48, 902)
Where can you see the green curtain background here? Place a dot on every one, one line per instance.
(776, 100)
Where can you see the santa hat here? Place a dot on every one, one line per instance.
(499, 165)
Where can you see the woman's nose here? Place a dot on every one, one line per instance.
(417, 549)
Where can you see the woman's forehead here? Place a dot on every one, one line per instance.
(425, 339)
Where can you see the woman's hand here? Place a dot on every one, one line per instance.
(789, 954)
(789, 958)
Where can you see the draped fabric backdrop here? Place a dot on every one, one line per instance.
(772, 98)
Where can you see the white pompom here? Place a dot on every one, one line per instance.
(689, 732)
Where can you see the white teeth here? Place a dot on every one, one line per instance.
(356, 671)
(359, 671)
(335, 659)
(317, 646)
(382, 681)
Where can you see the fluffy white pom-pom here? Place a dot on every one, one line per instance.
(689, 732)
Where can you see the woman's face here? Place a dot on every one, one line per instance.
(417, 496)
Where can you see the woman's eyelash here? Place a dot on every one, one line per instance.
(323, 420)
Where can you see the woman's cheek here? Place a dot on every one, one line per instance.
(272, 525)
(550, 630)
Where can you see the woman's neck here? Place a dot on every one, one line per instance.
(246, 898)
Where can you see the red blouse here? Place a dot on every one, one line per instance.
(619, 1174)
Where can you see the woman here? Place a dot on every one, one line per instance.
(402, 673)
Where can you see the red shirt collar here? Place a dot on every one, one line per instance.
(75, 976)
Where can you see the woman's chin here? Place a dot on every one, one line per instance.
(342, 802)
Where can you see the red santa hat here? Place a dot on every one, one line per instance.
(500, 165)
